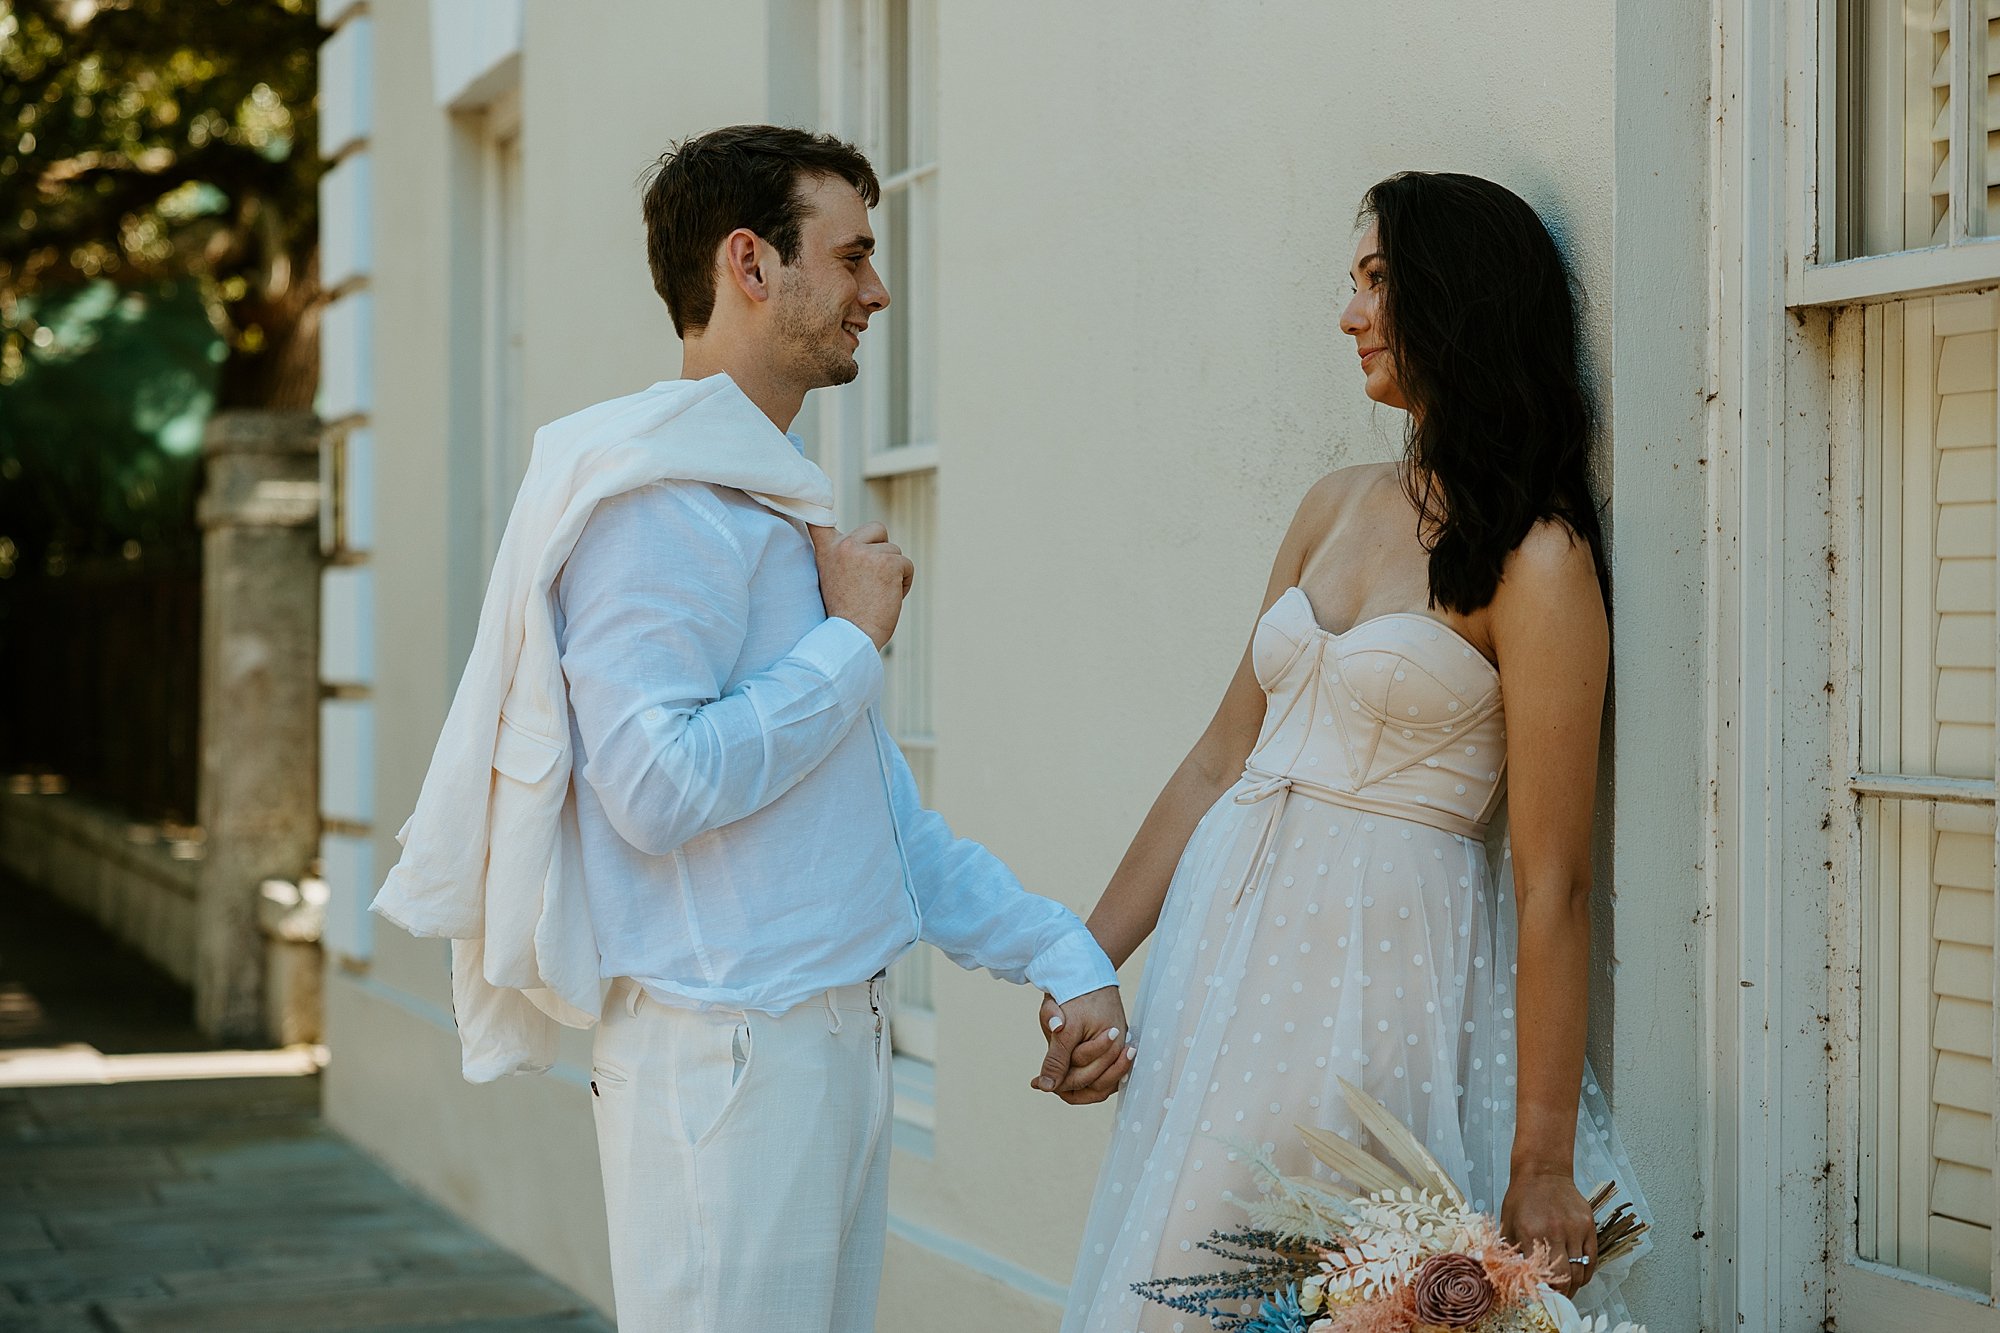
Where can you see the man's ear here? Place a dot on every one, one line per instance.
(746, 262)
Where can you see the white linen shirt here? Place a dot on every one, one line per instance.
(750, 836)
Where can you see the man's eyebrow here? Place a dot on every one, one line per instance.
(859, 241)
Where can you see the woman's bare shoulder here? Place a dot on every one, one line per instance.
(1343, 485)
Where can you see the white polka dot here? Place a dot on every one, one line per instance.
(1385, 946)
(1313, 1102)
(1403, 912)
(1418, 959)
(1280, 920)
(1320, 1062)
(1410, 1040)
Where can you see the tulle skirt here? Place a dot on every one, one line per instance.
(1364, 946)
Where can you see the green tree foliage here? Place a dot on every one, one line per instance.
(158, 188)
(143, 141)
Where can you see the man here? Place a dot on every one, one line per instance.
(746, 843)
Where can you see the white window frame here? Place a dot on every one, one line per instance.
(1964, 262)
(488, 437)
(1857, 1293)
(502, 210)
(855, 445)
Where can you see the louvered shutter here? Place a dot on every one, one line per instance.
(1927, 1124)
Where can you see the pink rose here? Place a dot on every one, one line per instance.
(1451, 1291)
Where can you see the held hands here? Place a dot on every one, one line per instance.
(863, 578)
(1546, 1206)
(1089, 1051)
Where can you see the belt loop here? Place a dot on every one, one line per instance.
(832, 1014)
(634, 998)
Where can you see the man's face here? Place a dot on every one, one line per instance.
(822, 302)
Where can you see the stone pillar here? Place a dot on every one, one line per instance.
(259, 785)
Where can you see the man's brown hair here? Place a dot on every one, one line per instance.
(741, 176)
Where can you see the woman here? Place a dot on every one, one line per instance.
(1316, 867)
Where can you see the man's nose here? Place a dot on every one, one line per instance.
(876, 295)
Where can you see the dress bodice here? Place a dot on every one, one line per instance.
(1398, 714)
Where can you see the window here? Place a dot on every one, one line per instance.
(505, 439)
(1925, 788)
(1908, 155)
(881, 441)
(490, 440)
(1900, 233)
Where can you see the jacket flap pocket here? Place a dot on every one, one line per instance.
(522, 755)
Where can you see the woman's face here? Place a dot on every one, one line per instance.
(1363, 321)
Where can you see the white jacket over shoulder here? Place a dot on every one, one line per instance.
(488, 854)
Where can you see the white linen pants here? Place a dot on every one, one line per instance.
(746, 1162)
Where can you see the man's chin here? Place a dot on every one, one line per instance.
(841, 370)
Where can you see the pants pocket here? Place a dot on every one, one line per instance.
(721, 1055)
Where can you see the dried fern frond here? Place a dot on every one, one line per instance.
(1397, 1140)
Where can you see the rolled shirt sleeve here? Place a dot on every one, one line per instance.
(655, 601)
(976, 912)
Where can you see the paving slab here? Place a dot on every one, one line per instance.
(210, 1204)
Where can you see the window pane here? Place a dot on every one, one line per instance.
(1927, 621)
(908, 505)
(1894, 138)
(898, 90)
(1926, 1150)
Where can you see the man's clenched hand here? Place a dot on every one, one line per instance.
(863, 578)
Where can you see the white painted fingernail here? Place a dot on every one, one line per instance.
(1055, 1022)
(1111, 1034)
(1130, 1053)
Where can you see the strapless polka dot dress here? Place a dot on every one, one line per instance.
(1331, 917)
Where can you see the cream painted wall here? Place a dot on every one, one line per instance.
(1147, 219)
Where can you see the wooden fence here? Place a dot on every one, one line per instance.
(100, 673)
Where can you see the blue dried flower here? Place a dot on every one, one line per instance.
(1281, 1314)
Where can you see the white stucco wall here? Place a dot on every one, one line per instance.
(1147, 220)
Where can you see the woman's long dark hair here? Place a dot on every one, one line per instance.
(1481, 324)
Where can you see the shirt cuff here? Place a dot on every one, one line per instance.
(1074, 965)
(842, 652)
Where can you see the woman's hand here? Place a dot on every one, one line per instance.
(1547, 1207)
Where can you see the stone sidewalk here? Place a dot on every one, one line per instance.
(201, 1203)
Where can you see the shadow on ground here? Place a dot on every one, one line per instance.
(204, 1203)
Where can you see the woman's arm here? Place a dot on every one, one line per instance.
(1130, 906)
(1553, 644)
